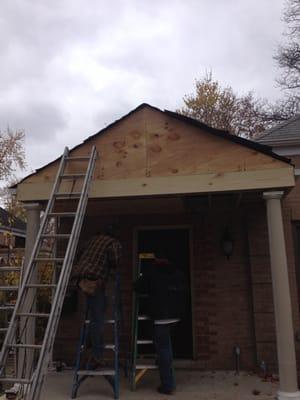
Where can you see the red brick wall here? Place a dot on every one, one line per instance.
(263, 308)
(221, 289)
(291, 215)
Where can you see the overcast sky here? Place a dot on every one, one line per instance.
(69, 67)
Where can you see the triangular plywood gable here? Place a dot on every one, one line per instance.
(152, 143)
(149, 143)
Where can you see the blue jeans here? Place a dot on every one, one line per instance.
(163, 346)
(97, 305)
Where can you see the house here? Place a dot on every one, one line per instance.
(12, 236)
(213, 201)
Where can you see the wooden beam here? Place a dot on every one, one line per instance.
(171, 185)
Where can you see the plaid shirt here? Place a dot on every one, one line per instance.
(100, 258)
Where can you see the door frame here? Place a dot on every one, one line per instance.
(189, 228)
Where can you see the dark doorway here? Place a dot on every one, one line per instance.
(176, 244)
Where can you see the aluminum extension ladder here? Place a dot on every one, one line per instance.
(140, 363)
(36, 356)
(112, 375)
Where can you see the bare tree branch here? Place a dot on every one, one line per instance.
(288, 54)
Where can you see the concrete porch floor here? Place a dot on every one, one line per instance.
(190, 385)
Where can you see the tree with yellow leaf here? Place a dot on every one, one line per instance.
(222, 108)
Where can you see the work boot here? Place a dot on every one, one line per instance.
(161, 390)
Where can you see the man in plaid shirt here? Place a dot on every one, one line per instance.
(96, 265)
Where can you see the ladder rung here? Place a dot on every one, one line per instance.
(9, 288)
(146, 366)
(62, 214)
(3, 330)
(142, 341)
(2, 308)
(10, 269)
(25, 346)
(40, 285)
(33, 315)
(70, 176)
(54, 259)
(14, 380)
(92, 373)
(68, 195)
(78, 158)
(109, 346)
(55, 235)
(107, 321)
(143, 318)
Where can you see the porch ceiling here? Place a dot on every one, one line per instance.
(195, 204)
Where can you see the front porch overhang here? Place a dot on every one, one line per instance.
(264, 179)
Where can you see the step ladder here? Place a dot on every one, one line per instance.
(20, 337)
(141, 362)
(112, 375)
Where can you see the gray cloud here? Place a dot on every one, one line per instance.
(69, 67)
(41, 121)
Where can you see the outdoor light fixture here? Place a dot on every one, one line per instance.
(227, 243)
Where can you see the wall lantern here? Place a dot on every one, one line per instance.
(227, 243)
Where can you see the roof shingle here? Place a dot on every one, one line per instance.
(8, 220)
(285, 134)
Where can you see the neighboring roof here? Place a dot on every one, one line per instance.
(285, 134)
(8, 221)
(191, 121)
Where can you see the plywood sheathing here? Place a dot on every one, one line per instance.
(153, 144)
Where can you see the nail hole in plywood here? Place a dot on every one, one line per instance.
(154, 136)
(118, 163)
(174, 171)
(155, 148)
(135, 134)
(174, 136)
(136, 146)
(119, 144)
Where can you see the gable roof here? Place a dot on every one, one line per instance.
(191, 121)
(285, 134)
(10, 222)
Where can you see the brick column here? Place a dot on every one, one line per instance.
(288, 388)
